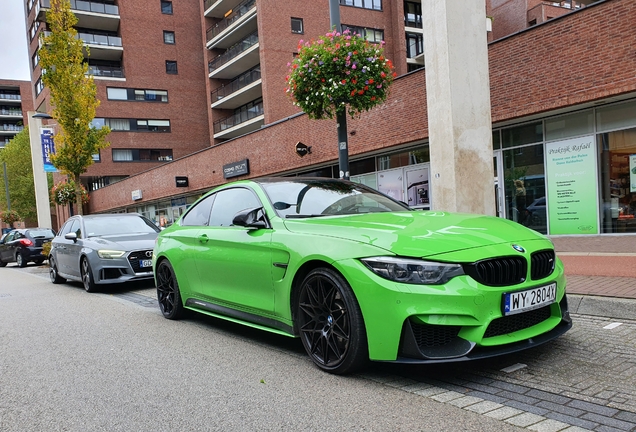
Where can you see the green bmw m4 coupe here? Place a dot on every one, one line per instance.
(358, 276)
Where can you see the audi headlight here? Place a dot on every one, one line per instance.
(110, 254)
(413, 271)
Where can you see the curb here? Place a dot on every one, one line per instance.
(607, 307)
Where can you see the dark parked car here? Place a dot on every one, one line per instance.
(103, 249)
(24, 245)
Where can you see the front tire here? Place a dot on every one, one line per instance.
(168, 294)
(53, 274)
(87, 276)
(330, 323)
(20, 260)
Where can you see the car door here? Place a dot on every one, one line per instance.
(235, 263)
(67, 251)
(6, 250)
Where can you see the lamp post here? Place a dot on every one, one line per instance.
(42, 202)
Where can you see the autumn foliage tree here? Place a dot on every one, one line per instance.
(17, 157)
(73, 95)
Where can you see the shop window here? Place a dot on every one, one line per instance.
(618, 116)
(568, 126)
(520, 135)
(618, 181)
(297, 25)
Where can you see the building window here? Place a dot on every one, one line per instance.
(372, 35)
(168, 37)
(413, 14)
(414, 45)
(130, 94)
(297, 25)
(166, 7)
(132, 125)
(365, 4)
(171, 67)
(34, 29)
(38, 87)
(141, 155)
(35, 60)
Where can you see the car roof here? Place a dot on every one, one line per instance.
(107, 215)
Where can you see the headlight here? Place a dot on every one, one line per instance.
(413, 271)
(110, 254)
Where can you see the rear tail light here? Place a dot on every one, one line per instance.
(26, 242)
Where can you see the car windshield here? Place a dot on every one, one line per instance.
(116, 225)
(301, 198)
(41, 233)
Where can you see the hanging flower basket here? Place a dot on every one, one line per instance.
(9, 217)
(64, 193)
(336, 72)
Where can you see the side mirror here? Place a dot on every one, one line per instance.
(71, 236)
(251, 218)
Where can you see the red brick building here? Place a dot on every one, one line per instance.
(565, 81)
(15, 102)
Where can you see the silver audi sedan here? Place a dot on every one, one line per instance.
(103, 249)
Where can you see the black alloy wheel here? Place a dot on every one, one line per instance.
(20, 260)
(330, 323)
(168, 294)
(53, 274)
(87, 276)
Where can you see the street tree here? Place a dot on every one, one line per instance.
(17, 157)
(73, 96)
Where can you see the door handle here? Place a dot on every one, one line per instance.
(203, 238)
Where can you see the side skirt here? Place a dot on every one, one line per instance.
(240, 317)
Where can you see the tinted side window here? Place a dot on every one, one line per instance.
(9, 237)
(229, 202)
(76, 228)
(199, 215)
(65, 229)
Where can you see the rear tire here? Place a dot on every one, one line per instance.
(20, 260)
(330, 323)
(168, 294)
(2, 263)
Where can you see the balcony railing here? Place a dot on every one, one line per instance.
(238, 118)
(106, 71)
(238, 83)
(11, 96)
(88, 6)
(207, 4)
(244, 7)
(233, 52)
(11, 112)
(12, 127)
(95, 39)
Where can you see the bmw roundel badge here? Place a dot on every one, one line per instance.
(518, 248)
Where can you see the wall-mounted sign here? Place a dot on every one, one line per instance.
(302, 149)
(236, 169)
(572, 192)
(137, 195)
(182, 181)
(48, 149)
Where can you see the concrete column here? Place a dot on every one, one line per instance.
(42, 202)
(458, 100)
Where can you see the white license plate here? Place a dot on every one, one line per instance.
(521, 301)
(145, 263)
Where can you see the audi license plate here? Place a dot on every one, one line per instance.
(522, 301)
(145, 263)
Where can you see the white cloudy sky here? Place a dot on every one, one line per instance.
(14, 56)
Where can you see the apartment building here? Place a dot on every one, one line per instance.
(146, 60)
(15, 102)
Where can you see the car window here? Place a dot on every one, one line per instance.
(199, 214)
(66, 228)
(76, 228)
(10, 237)
(118, 225)
(41, 233)
(229, 202)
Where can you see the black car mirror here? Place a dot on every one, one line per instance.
(251, 218)
(71, 236)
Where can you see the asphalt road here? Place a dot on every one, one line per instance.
(73, 361)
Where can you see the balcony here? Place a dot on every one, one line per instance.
(10, 98)
(102, 47)
(246, 87)
(218, 8)
(90, 14)
(10, 129)
(10, 112)
(246, 119)
(108, 72)
(237, 59)
(238, 24)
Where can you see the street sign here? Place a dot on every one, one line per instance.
(48, 149)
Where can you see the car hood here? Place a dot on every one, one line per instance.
(417, 233)
(127, 242)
